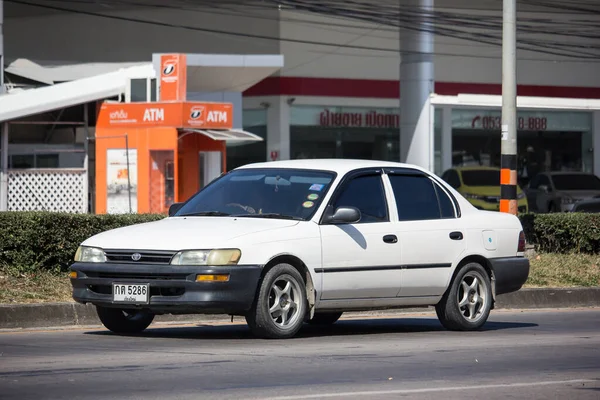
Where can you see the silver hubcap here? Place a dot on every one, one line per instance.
(472, 296)
(284, 301)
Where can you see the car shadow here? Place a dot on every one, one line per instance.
(354, 327)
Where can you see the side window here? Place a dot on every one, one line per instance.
(416, 197)
(535, 182)
(367, 194)
(446, 204)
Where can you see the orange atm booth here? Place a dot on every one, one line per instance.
(150, 155)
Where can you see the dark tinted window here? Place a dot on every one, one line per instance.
(576, 182)
(446, 205)
(367, 194)
(416, 197)
(481, 177)
(535, 182)
(544, 180)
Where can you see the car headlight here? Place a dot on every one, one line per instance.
(207, 257)
(90, 255)
(521, 196)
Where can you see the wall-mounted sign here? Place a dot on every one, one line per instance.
(199, 115)
(121, 181)
(345, 117)
(526, 120)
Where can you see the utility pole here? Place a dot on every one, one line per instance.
(508, 163)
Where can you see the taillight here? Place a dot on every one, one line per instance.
(521, 247)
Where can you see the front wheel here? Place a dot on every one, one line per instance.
(124, 321)
(280, 306)
(466, 305)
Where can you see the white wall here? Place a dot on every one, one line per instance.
(76, 37)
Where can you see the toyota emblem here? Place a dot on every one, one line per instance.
(136, 256)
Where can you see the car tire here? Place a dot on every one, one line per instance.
(467, 303)
(280, 306)
(325, 318)
(124, 321)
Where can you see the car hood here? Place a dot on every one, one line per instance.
(178, 233)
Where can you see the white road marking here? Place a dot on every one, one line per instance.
(428, 390)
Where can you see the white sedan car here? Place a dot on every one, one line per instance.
(288, 242)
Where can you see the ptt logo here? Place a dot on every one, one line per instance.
(197, 115)
(168, 68)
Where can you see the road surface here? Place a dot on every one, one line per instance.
(528, 355)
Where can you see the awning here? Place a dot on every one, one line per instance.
(233, 135)
(62, 95)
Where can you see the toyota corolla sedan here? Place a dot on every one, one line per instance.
(289, 242)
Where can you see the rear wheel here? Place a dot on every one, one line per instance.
(466, 305)
(124, 321)
(325, 318)
(280, 306)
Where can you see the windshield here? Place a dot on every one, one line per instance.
(481, 177)
(262, 193)
(576, 182)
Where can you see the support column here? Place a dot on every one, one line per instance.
(416, 86)
(278, 128)
(596, 141)
(1, 47)
(4, 166)
(446, 138)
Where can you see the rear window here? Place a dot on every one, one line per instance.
(481, 178)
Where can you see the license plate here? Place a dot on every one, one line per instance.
(131, 293)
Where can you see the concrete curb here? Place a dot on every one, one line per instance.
(46, 315)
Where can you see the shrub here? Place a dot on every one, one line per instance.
(45, 240)
(563, 232)
(30, 241)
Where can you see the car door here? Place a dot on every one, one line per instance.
(360, 260)
(431, 235)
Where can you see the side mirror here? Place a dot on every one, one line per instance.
(174, 208)
(342, 215)
(544, 188)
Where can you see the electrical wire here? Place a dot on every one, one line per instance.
(481, 30)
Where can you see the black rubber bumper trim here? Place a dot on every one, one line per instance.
(233, 296)
(511, 273)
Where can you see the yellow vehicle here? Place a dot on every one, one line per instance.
(481, 186)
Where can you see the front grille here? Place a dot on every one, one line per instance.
(138, 276)
(146, 257)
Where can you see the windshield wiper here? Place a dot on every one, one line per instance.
(270, 215)
(205, 214)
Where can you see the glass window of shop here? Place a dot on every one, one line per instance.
(546, 140)
(238, 154)
(345, 132)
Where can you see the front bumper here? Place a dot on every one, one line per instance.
(511, 273)
(173, 289)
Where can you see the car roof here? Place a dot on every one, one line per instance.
(338, 165)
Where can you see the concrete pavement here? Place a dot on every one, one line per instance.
(520, 354)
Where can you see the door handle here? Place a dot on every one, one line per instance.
(390, 239)
(456, 235)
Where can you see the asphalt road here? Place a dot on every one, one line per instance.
(528, 355)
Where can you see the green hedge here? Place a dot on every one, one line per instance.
(34, 240)
(563, 232)
(43, 240)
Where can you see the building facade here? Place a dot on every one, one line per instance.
(339, 92)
